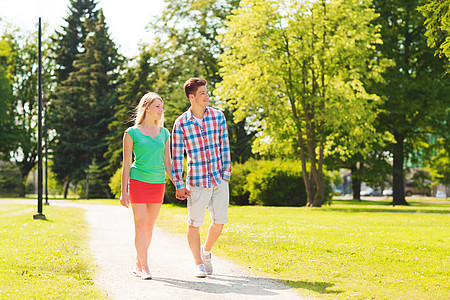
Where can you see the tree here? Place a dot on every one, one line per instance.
(138, 80)
(188, 45)
(23, 68)
(437, 14)
(297, 69)
(92, 89)
(414, 90)
(68, 43)
(7, 128)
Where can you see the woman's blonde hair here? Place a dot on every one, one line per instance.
(145, 101)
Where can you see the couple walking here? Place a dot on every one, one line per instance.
(200, 132)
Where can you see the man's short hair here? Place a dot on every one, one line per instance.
(192, 84)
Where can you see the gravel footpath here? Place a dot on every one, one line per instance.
(171, 264)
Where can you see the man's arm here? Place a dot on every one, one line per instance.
(225, 149)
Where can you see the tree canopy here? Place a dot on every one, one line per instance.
(437, 13)
(296, 68)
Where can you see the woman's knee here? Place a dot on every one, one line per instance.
(140, 225)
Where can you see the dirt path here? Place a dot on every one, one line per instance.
(171, 264)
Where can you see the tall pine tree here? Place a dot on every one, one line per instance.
(68, 43)
(84, 106)
(97, 72)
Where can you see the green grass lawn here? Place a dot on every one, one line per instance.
(356, 250)
(365, 250)
(45, 259)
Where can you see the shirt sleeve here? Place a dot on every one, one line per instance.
(178, 155)
(130, 131)
(225, 149)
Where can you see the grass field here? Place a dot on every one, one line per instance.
(347, 250)
(45, 259)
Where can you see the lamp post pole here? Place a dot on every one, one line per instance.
(40, 215)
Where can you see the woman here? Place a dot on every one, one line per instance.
(143, 182)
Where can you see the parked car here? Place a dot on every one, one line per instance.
(440, 194)
(370, 192)
(387, 192)
(412, 189)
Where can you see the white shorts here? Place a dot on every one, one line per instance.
(216, 199)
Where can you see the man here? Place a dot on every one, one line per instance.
(202, 133)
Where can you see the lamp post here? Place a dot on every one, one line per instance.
(40, 215)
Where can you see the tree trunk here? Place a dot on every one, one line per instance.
(398, 186)
(23, 182)
(306, 177)
(356, 183)
(66, 188)
(25, 168)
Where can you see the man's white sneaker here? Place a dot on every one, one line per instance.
(200, 271)
(207, 261)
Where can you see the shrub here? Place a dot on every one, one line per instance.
(239, 193)
(10, 179)
(115, 183)
(276, 183)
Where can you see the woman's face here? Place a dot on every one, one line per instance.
(156, 109)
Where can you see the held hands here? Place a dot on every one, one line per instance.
(182, 194)
(124, 200)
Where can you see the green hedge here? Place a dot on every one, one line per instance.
(276, 183)
(262, 182)
(270, 183)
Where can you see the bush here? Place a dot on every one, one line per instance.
(115, 183)
(10, 179)
(276, 183)
(239, 193)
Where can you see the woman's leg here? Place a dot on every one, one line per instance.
(140, 237)
(152, 213)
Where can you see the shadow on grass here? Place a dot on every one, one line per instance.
(318, 287)
(390, 210)
(385, 206)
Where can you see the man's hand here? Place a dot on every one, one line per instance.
(182, 194)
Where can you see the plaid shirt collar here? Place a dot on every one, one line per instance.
(190, 116)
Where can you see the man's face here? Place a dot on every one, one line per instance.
(201, 97)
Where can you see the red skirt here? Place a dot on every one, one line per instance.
(144, 192)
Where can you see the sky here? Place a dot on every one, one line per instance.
(126, 19)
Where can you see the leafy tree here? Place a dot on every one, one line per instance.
(439, 164)
(296, 68)
(415, 92)
(92, 91)
(188, 45)
(185, 46)
(7, 128)
(437, 13)
(24, 72)
(138, 80)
